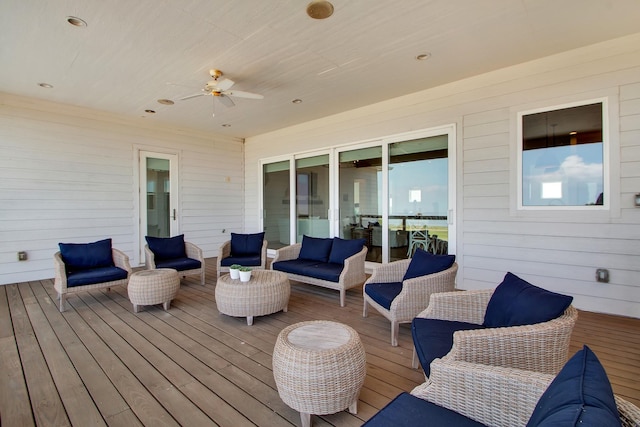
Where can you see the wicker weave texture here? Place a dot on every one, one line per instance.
(225, 251)
(267, 292)
(319, 381)
(150, 287)
(192, 251)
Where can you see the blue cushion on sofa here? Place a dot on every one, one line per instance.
(517, 302)
(383, 293)
(179, 264)
(83, 256)
(95, 275)
(310, 268)
(315, 248)
(423, 263)
(580, 395)
(433, 338)
(166, 247)
(246, 244)
(407, 410)
(343, 249)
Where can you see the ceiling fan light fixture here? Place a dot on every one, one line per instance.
(320, 9)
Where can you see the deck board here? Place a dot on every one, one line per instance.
(100, 363)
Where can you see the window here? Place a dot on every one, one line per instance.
(563, 157)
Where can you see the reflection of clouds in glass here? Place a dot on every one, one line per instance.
(573, 167)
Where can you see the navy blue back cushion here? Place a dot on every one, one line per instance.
(343, 249)
(407, 410)
(246, 244)
(423, 263)
(315, 248)
(580, 395)
(167, 247)
(517, 302)
(84, 256)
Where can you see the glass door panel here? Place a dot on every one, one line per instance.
(312, 197)
(418, 196)
(360, 196)
(158, 198)
(276, 204)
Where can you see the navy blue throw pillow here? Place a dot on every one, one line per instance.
(246, 244)
(517, 302)
(343, 249)
(84, 256)
(580, 395)
(424, 263)
(167, 247)
(315, 248)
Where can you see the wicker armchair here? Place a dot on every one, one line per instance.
(541, 347)
(491, 395)
(193, 252)
(225, 252)
(414, 296)
(120, 260)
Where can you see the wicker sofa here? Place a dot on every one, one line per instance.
(331, 263)
(541, 346)
(467, 394)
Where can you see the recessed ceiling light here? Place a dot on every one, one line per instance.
(226, 125)
(297, 101)
(165, 102)
(150, 111)
(320, 9)
(45, 85)
(76, 22)
(423, 56)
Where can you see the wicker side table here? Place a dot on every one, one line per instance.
(150, 287)
(267, 292)
(319, 367)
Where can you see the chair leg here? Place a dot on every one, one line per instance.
(414, 359)
(202, 278)
(395, 329)
(365, 309)
(342, 297)
(61, 299)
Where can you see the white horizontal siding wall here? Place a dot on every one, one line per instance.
(68, 175)
(558, 251)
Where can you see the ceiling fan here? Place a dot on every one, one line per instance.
(220, 87)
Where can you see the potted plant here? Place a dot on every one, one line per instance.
(234, 271)
(245, 274)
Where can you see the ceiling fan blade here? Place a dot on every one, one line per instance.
(193, 96)
(224, 84)
(226, 101)
(242, 94)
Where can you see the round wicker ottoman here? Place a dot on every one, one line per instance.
(267, 292)
(319, 367)
(150, 287)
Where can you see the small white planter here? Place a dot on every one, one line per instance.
(234, 273)
(245, 276)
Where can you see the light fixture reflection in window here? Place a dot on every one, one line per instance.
(552, 190)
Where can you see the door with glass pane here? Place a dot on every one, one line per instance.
(360, 198)
(276, 204)
(158, 196)
(312, 197)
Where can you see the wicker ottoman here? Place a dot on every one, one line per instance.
(150, 287)
(319, 367)
(267, 292)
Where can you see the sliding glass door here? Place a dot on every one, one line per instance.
(312, 197)
(276, 204)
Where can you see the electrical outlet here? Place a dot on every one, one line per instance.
(22, 256)
(602, 275)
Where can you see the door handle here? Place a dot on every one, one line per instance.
(174, 214)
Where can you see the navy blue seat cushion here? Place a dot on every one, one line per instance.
(407, 410)
(164, 248)
(83, 256)
(95, 275)
(343, 249)
(383, 293)
(517, 302)
(304, 267)
(315, 248)
(246, 244)
(179, 264)
(433, 338)
(580, 395)
(423, 263)
(246, 261)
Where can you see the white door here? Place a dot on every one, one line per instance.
(159, 216)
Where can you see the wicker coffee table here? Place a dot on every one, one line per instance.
(267, 292)
(150, 287)
(319, 367)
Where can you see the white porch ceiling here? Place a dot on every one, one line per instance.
(133, 53)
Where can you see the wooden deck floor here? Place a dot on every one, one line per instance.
(98, 363)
